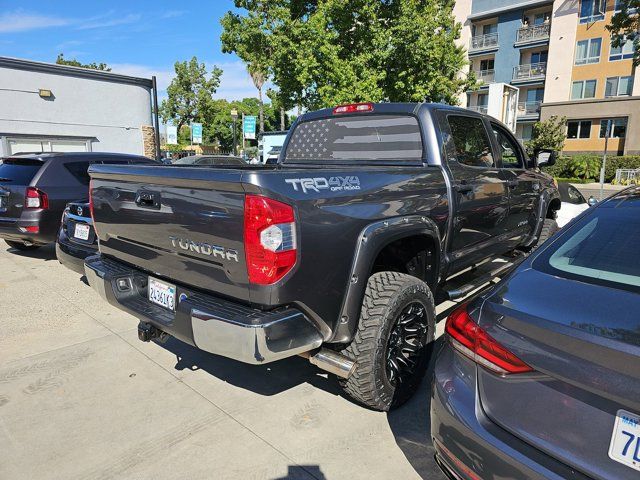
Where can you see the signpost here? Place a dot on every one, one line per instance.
(604, 157)
(172, 135)
(234, 117)
(249, 127)
(196, 133)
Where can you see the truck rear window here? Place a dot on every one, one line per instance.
(19, 171)
(356, 139)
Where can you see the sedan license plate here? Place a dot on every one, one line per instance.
(162, 294)
(82, 231)
(625, 440)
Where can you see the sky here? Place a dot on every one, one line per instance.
(139, 38)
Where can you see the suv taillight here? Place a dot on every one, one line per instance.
(269, 239)
(35, 198)
(471, 340)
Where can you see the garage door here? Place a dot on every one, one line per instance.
(34, 145)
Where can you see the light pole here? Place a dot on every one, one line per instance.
(234, 117)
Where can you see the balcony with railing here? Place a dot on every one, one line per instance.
(481, 43)
(529, 72)
(479, 108)
(529, 109)
(486, 76)
(533, 34)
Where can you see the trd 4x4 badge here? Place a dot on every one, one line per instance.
(335, 184)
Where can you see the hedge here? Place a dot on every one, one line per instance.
(561, 168)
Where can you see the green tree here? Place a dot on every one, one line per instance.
(244, 36)
(625, 26)
(322, 53)
(75, 63)
(548, 134)
(190, 93)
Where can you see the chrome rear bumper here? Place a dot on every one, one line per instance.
(210, 323)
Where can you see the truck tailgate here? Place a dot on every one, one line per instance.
(174, 224)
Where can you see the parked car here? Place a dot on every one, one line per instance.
(77, 239)
(344, 246)
(217, 160)
(573, 204)
(273, 155)
(540, 376)
(35, 189)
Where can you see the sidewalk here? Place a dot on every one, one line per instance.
(593, 189)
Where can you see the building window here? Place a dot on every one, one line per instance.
(579, 129)
(540, 57)
(618, 7)
(618, 86)
(583, 89)
(527, 131)
(625, 50)
(489, 29)
(618, 128)
(487, 64)
(592, 10)
(588, 51)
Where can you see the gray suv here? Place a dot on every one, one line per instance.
(36, 187)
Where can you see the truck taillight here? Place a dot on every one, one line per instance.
(35, 198)
(269, 239)
(471, 340)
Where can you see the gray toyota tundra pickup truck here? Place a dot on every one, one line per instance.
(336, 253)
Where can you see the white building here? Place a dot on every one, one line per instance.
(48, 107)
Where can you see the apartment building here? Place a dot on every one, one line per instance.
(559, 55)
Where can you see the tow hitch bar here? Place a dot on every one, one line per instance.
(147, 332)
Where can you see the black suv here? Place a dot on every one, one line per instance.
(35, 189)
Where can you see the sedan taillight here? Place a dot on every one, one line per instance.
(35, 198)
(269, 239)
(471, 340)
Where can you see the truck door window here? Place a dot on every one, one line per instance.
(509, 149)
(471, 141)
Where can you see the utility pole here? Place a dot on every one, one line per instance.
(234, 117)
(604, 157)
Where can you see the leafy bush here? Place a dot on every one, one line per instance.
(585, 166)
(564, 167)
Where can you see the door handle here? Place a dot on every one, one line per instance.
(148, 200)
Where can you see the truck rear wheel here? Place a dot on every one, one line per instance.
(392, 344)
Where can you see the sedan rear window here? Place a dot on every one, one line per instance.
(356, 139)
(602, 248)
(19, 171)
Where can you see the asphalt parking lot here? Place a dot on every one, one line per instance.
(82, 398)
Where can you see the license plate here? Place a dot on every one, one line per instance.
(82, 231)
(162, 294)
(625, 440)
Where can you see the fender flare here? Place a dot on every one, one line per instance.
(546, 197)
(371, 241)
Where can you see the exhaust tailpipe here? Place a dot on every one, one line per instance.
(331, 362)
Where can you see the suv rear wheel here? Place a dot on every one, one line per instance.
(394, 338)
(21, 246)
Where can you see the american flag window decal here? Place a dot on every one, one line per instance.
(356, 138)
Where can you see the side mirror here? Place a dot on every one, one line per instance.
(592, 201)
(545, 157)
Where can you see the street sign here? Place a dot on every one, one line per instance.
(172, 135)
(196, 132)
(249, 127)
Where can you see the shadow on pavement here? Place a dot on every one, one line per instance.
(303, 472)
(267, 380)
(411, 427)
(48, 252)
